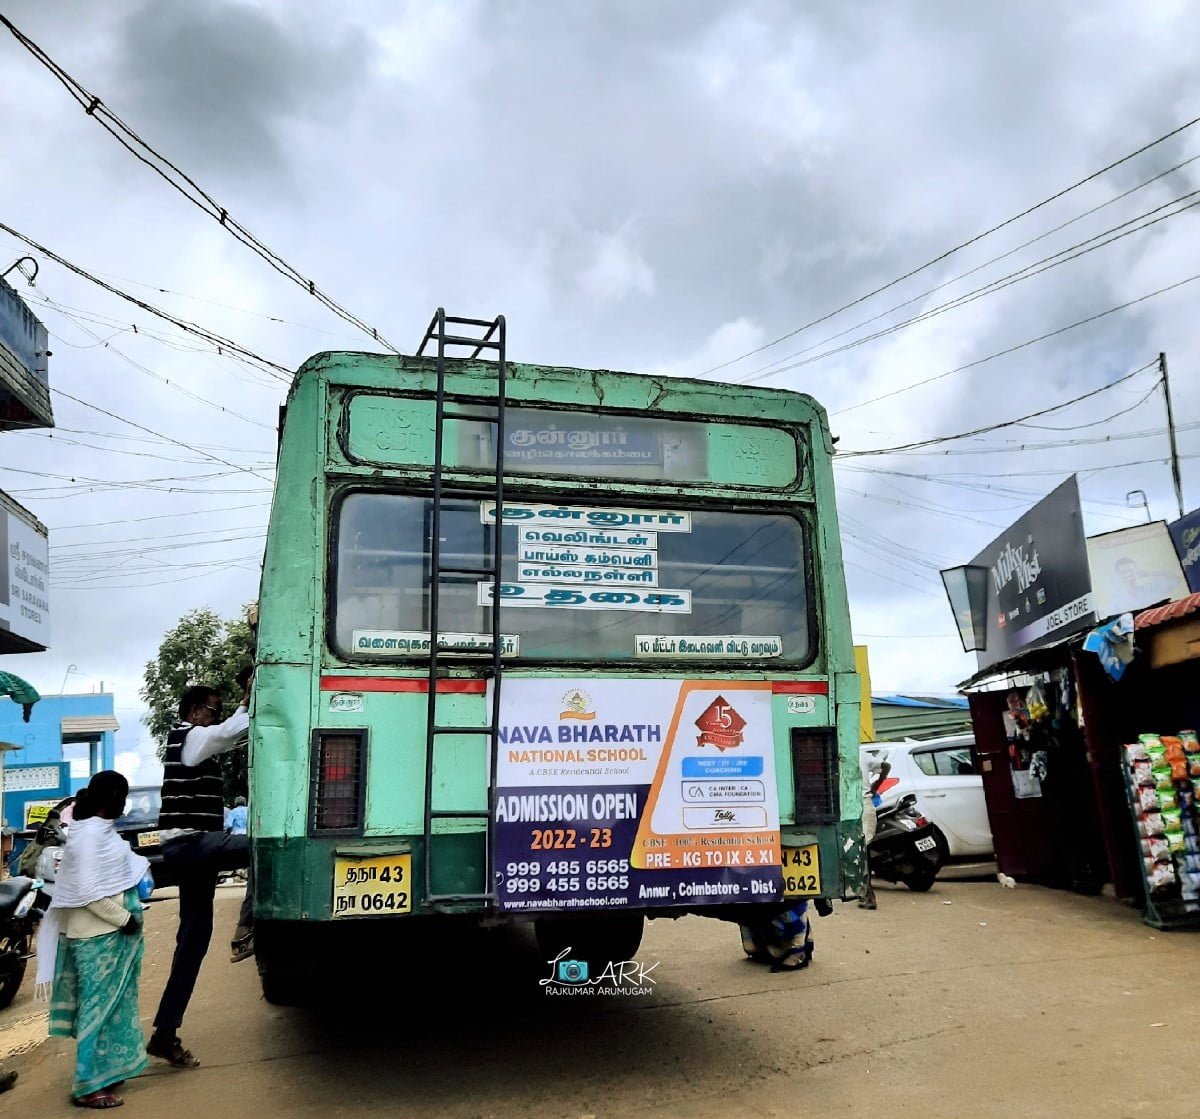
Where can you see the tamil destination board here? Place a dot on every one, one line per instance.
(636, 793)
(1039, 583)
(585, 441)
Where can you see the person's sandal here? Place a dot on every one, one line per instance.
(242, 947)
(172, 1051)
(98, 1101)
(795, 960)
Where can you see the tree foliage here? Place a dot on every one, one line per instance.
(201, 648)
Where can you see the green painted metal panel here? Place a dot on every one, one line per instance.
(399, 431)
(396, 762)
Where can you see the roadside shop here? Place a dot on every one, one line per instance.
(1051, 722)
(1152, 714)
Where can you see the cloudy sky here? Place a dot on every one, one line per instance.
(653, 186)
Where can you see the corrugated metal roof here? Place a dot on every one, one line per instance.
(88, 724)
(936, 702)
(1157, 615)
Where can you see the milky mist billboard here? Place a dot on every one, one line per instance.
(1185, 533)
(1039, 583)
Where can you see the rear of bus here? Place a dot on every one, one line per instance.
(677, 711)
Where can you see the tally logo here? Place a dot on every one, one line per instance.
(720, 725)
(577, 704)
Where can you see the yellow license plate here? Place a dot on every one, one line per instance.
(372, 886)
(149, 839)
(801, 871)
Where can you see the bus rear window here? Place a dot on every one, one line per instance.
(580, 583)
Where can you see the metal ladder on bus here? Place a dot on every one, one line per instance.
(451, 333)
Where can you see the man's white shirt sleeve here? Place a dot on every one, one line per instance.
(204, 742)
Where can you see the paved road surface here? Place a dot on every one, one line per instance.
(968, 1000)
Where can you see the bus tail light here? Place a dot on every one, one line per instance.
(337, 794)
(815, 775)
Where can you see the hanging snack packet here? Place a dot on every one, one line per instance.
(1161, 878)
(1142, 773)
(1159, 848)
(1151, 824)
(1190, 742)
(1172, 747)
(1147, 800)
(1136, 752)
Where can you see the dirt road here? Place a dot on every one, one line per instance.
(968, 1000)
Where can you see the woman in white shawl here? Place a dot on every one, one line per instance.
(90, 946)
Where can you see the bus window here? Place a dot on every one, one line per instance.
(732, 574)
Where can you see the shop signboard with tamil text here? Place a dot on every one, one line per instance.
(25, 586)
(1039, 584)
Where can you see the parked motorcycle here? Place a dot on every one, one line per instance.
(19, 914)
(904, 848)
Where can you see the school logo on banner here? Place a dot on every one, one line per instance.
(577, 704)
(720, 725)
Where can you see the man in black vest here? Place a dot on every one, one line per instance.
(196, 848)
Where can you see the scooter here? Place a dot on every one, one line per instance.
(19, 914)
(904, 848)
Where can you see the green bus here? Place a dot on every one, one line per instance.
(550, 645)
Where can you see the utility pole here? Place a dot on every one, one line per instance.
(1166, 384)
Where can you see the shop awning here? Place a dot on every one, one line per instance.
(88, 724)
(1037, 658)
(1157, 615)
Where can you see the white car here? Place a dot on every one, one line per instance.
(941, 772)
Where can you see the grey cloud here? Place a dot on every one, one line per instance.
(217, 85)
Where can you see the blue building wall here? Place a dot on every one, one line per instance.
(41, 744)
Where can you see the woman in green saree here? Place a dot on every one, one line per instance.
(92, 945)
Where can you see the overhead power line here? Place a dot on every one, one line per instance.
(1020, 346)
(957, 248)
(159, 435)
(184, 183)
(221, 343)
(106, 343)
(1027, 272)
(900, 447)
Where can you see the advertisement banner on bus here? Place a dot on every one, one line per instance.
(634, 793)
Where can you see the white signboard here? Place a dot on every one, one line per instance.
(569, 597)
(28, 778)
(563, 573)
(408, 642)
(569, 517)
(739, 646)
(25, 592)
(1133, 568)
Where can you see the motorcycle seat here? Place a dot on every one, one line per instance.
(12, 890)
